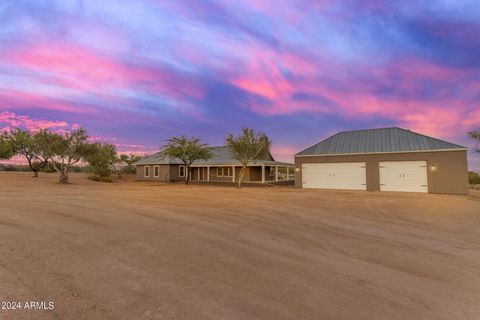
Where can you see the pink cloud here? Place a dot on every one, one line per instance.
(9, 120)
(124, 147)
(72, 63)
(82, 68)
(97, 75)
(355, 94)
(17, 100)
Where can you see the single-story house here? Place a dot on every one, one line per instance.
(385, 159)
(222, 167)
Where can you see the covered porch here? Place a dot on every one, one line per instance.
(255, 173)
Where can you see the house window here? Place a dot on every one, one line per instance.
(224, 171)
(146, 171)
(181, 171)
(156, 171)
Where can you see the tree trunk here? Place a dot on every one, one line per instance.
(241, 176)
(63, 176)
(32, 167)
(187, 175)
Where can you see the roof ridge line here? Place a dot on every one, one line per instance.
(371, 129)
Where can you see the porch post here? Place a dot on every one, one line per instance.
(233, 173)
(288, 173)
(276, 173)
(208, 174)
(263, 174)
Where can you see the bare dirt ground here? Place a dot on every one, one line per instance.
(156, 251)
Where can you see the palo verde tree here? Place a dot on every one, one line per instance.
(64, 150)
(476, 135)
(27, 144)
(100, 158)
(248, 147)
(473, 177)
(187, 150)
(6, 151)
(129, 160)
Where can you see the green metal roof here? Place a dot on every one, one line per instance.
(383, 140)
(221, 156)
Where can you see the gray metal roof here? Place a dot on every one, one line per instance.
(221, 156)
(378, 141)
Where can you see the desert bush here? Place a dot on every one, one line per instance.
(128, 160)
(93, 178)
(78, 169)
(101, 158)
(49, 170)
(100, 179)
(15, 168)
(473, 178)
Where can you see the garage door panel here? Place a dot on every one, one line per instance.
(348, 176)
(408, 176)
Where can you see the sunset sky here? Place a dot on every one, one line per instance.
(137, 72)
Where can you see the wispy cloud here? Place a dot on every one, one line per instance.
(9, 120)
(141, 71)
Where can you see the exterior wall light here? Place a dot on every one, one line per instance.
(434, 168)
(297, 169)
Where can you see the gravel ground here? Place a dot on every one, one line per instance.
(135, 250)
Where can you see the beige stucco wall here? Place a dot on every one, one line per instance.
(175, 173)
(169, 173)
(163, 173)
(450, 176)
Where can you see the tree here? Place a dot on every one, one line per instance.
(63, 151)
(129, 160)
(6, 151)
(473, 178)
(248, 147)
(475, 135)
(101, 158)
(188, 151)
(27, 144)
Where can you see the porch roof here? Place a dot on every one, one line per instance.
(221, 157)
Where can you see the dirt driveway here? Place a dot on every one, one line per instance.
(152, 251)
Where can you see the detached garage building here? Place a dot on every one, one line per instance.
(386, 159)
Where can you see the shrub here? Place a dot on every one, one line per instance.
(49, 169)
(100, 179)
(477, 187)
(473, 178)
(106, 179)
(101, 158)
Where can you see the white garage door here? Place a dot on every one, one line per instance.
(348, 175)
(409, 176)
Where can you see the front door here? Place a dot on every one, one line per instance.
(202, 174)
